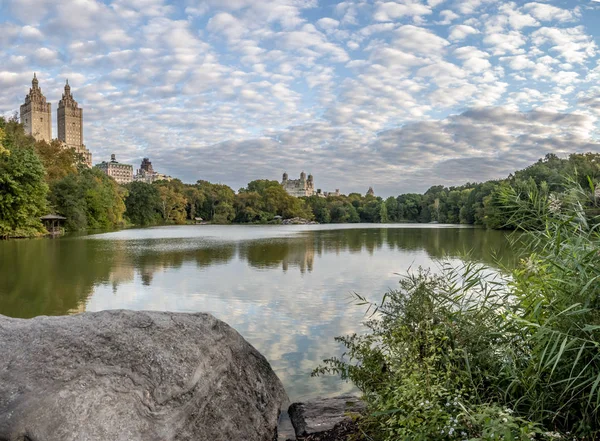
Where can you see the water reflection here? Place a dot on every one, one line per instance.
(286, 289)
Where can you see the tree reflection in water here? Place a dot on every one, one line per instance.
(286, 289)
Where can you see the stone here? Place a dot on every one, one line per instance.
(133, 376)
(298, 221)
(325, 418)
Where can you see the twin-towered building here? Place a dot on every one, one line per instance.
(36, 117)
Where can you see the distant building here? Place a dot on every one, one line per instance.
(70, 125)
(370, 192)
(327, 194)
(147, 174)
(299, 187)
(36, 113)
(122, 173)
(36, 117)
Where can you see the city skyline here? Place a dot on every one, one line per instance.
(397, 95)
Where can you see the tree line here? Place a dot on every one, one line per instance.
(38, 178)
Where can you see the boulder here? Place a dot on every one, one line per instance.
(133, 376)
(326, 418)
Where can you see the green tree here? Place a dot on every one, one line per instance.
(143, 204)
(409, 207)
(249, 207)
(391, 205)
(215, 195)
(22, 187)
(89, 199)
(172, 204)
(383, 214)
(58, 161)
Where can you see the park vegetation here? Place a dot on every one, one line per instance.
(37, 178)
(473, 354)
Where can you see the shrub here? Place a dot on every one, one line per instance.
(477, 354)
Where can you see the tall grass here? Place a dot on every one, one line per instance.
(473, 354)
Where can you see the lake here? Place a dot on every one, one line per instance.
(286, 289)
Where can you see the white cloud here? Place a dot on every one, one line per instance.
(571, 44)
(361, 86)
(460, 32)
(327, 23)
(31, 32)
(546, 12)
(389, 11)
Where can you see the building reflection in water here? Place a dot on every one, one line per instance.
(286, 290)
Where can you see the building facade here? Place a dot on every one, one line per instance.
(299, 187)
(70, 125)
(147, 174)
(36, 113)
(122, 173)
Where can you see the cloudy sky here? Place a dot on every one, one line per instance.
(397, 94)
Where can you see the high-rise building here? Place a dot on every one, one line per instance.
(70, 125)
(36, 113)
(147, 174)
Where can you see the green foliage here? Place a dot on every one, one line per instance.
(143, 204)
(262, 200)
(473, 354)
(217, 203)
(89, 199)
(172, 202)
(58, 161)
(22, 187)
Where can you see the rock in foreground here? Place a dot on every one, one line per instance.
(133, 376)
(326, 418)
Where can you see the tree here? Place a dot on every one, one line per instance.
(215, 195)
(22, 187)
(58, 161)
(89, 199)
(249, 207)
(409, 207)
(3, 150)
(143, 204)
(172, 204)
(391, 205)
(195, 201)
(383, 214)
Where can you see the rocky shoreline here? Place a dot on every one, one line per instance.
(138, 376)
(298, 221)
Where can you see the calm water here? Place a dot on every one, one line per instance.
(286, 289)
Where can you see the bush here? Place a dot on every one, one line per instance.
(475, 354)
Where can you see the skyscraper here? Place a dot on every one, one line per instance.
(36, 113)
(70, 125)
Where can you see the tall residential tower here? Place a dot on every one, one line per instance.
(70, 125)
(36, 113)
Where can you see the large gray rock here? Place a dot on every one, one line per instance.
(325, 418)
(133, 376)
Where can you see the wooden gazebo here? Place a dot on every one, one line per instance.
(52, 222)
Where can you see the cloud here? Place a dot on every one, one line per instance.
(239, 90)
(460, 32)
(388, 11)
(571, 44)
(546, 12)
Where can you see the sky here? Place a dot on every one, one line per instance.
(399, 95)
